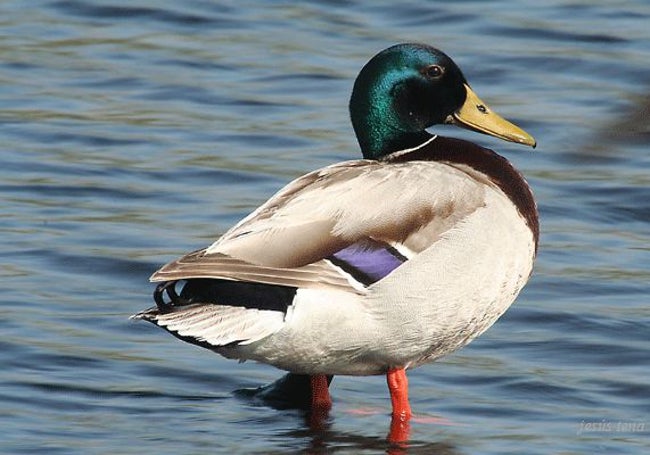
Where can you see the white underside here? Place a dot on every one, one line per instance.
(434, 304)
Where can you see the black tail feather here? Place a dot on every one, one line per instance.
(169, 288)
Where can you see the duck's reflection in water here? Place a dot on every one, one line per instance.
(293, 391)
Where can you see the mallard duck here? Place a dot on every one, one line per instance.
(375, 265)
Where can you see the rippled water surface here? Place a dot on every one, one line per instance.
(135, 131)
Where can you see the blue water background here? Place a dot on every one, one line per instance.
(132, 132)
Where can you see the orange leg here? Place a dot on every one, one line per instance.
(321, 402)
(320, 395)
(399, 397)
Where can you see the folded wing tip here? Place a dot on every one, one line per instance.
(156, 277)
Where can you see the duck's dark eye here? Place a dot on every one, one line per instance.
(433, 71)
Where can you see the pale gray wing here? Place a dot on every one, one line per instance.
(288, 239)
(199, 264)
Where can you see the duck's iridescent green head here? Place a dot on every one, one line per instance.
(409, 87)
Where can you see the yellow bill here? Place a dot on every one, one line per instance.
(477, 116)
